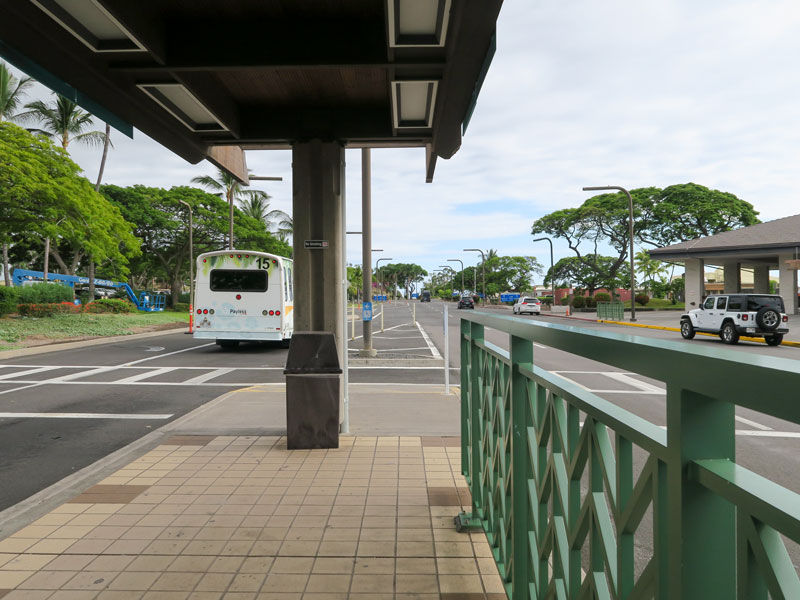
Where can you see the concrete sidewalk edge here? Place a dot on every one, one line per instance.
(86, 343)
(19, 515)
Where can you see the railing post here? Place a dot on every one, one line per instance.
(702, 525)
(521, 356)
(463, 521)
(465, 399)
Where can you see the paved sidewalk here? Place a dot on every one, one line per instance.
(211, 513)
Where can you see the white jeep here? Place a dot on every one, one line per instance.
(732, 315)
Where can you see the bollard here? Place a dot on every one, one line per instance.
(353, 321)
(446, 353)
(191, 318)
(414, 311)
(381, 319)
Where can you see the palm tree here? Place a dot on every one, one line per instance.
(254, 203)
(12, 91)
(276, 221)
(67, 122)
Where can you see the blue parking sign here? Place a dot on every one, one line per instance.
(366, 311)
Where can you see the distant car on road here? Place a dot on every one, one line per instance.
(466, 302)
(527, 305)
(730, 316)
(425, 296)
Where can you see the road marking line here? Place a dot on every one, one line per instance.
(146, 375)
(635, 383)
(206, 376)
(778, 434)
(141, 360)
(91, 371)
(391, 349)
(752, 423)
(24, 387)
(386, 329)
(29, 372)
(538, 345)
(428, 341)
(21, 415)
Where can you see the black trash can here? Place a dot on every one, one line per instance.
(312, 391)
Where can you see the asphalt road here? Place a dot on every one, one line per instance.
(110, 395)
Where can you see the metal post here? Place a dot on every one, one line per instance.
(446, 354)
(366, 246)
(552, 268)
(353, 322)
(230, 222)
(414, 312)
(483, 268)
(191, 268)
(459, 261)
(630, 234)
(381, 319)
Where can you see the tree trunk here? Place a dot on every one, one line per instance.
(46, 257)
(176, 288)
(91, 280)
(6, 274)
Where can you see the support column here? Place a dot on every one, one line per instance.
(695, 283)
(318, 193)
(787, 282)
(733, 278)
(761, 279)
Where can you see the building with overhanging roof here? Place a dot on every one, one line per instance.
(773, 245)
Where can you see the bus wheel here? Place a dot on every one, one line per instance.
(285, 343)
(228, 343)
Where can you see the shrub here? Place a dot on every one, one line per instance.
(109, 305)
(590, 302)
(565, 301)
(578, 301)
(546, 300)
(602, 297)
(181, 307)
(47, 309)
(642, 299)
(8, 300)
(44, 293)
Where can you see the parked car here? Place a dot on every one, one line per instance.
(425, 296)
(466, 302)
(734, 315)
(531, 306)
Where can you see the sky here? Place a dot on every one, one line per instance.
(580, 92)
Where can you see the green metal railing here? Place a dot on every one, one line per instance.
(562, 480)
(612, 311)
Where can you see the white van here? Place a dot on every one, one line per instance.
(243, 295)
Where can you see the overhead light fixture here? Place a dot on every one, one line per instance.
(413, 103)
(92, 24)
(182, 104)
(417, 23)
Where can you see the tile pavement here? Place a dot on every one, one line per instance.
(241, 517)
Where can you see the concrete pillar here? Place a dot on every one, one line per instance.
(733, 278)
(761, 279)
(695, 282)
(318, 193)
(787, 282)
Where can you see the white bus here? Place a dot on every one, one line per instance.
(243, 295)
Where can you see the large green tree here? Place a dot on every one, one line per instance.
(12, 91)
(162, 227)
(43, 194)
(591, 273)
(402, 275)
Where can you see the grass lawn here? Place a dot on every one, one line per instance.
(16, 332)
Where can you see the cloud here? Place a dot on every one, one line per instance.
(580, 93)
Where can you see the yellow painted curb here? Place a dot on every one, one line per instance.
(744, 337)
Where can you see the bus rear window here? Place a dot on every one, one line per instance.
(238, 280)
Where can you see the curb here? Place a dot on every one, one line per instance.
(85, 343)
(663, 328)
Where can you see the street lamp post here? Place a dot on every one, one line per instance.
(483, 268)
(376, 269)
(552, 269)
(452, 278)
(191, 268)
(459, 261)
(630, 235)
